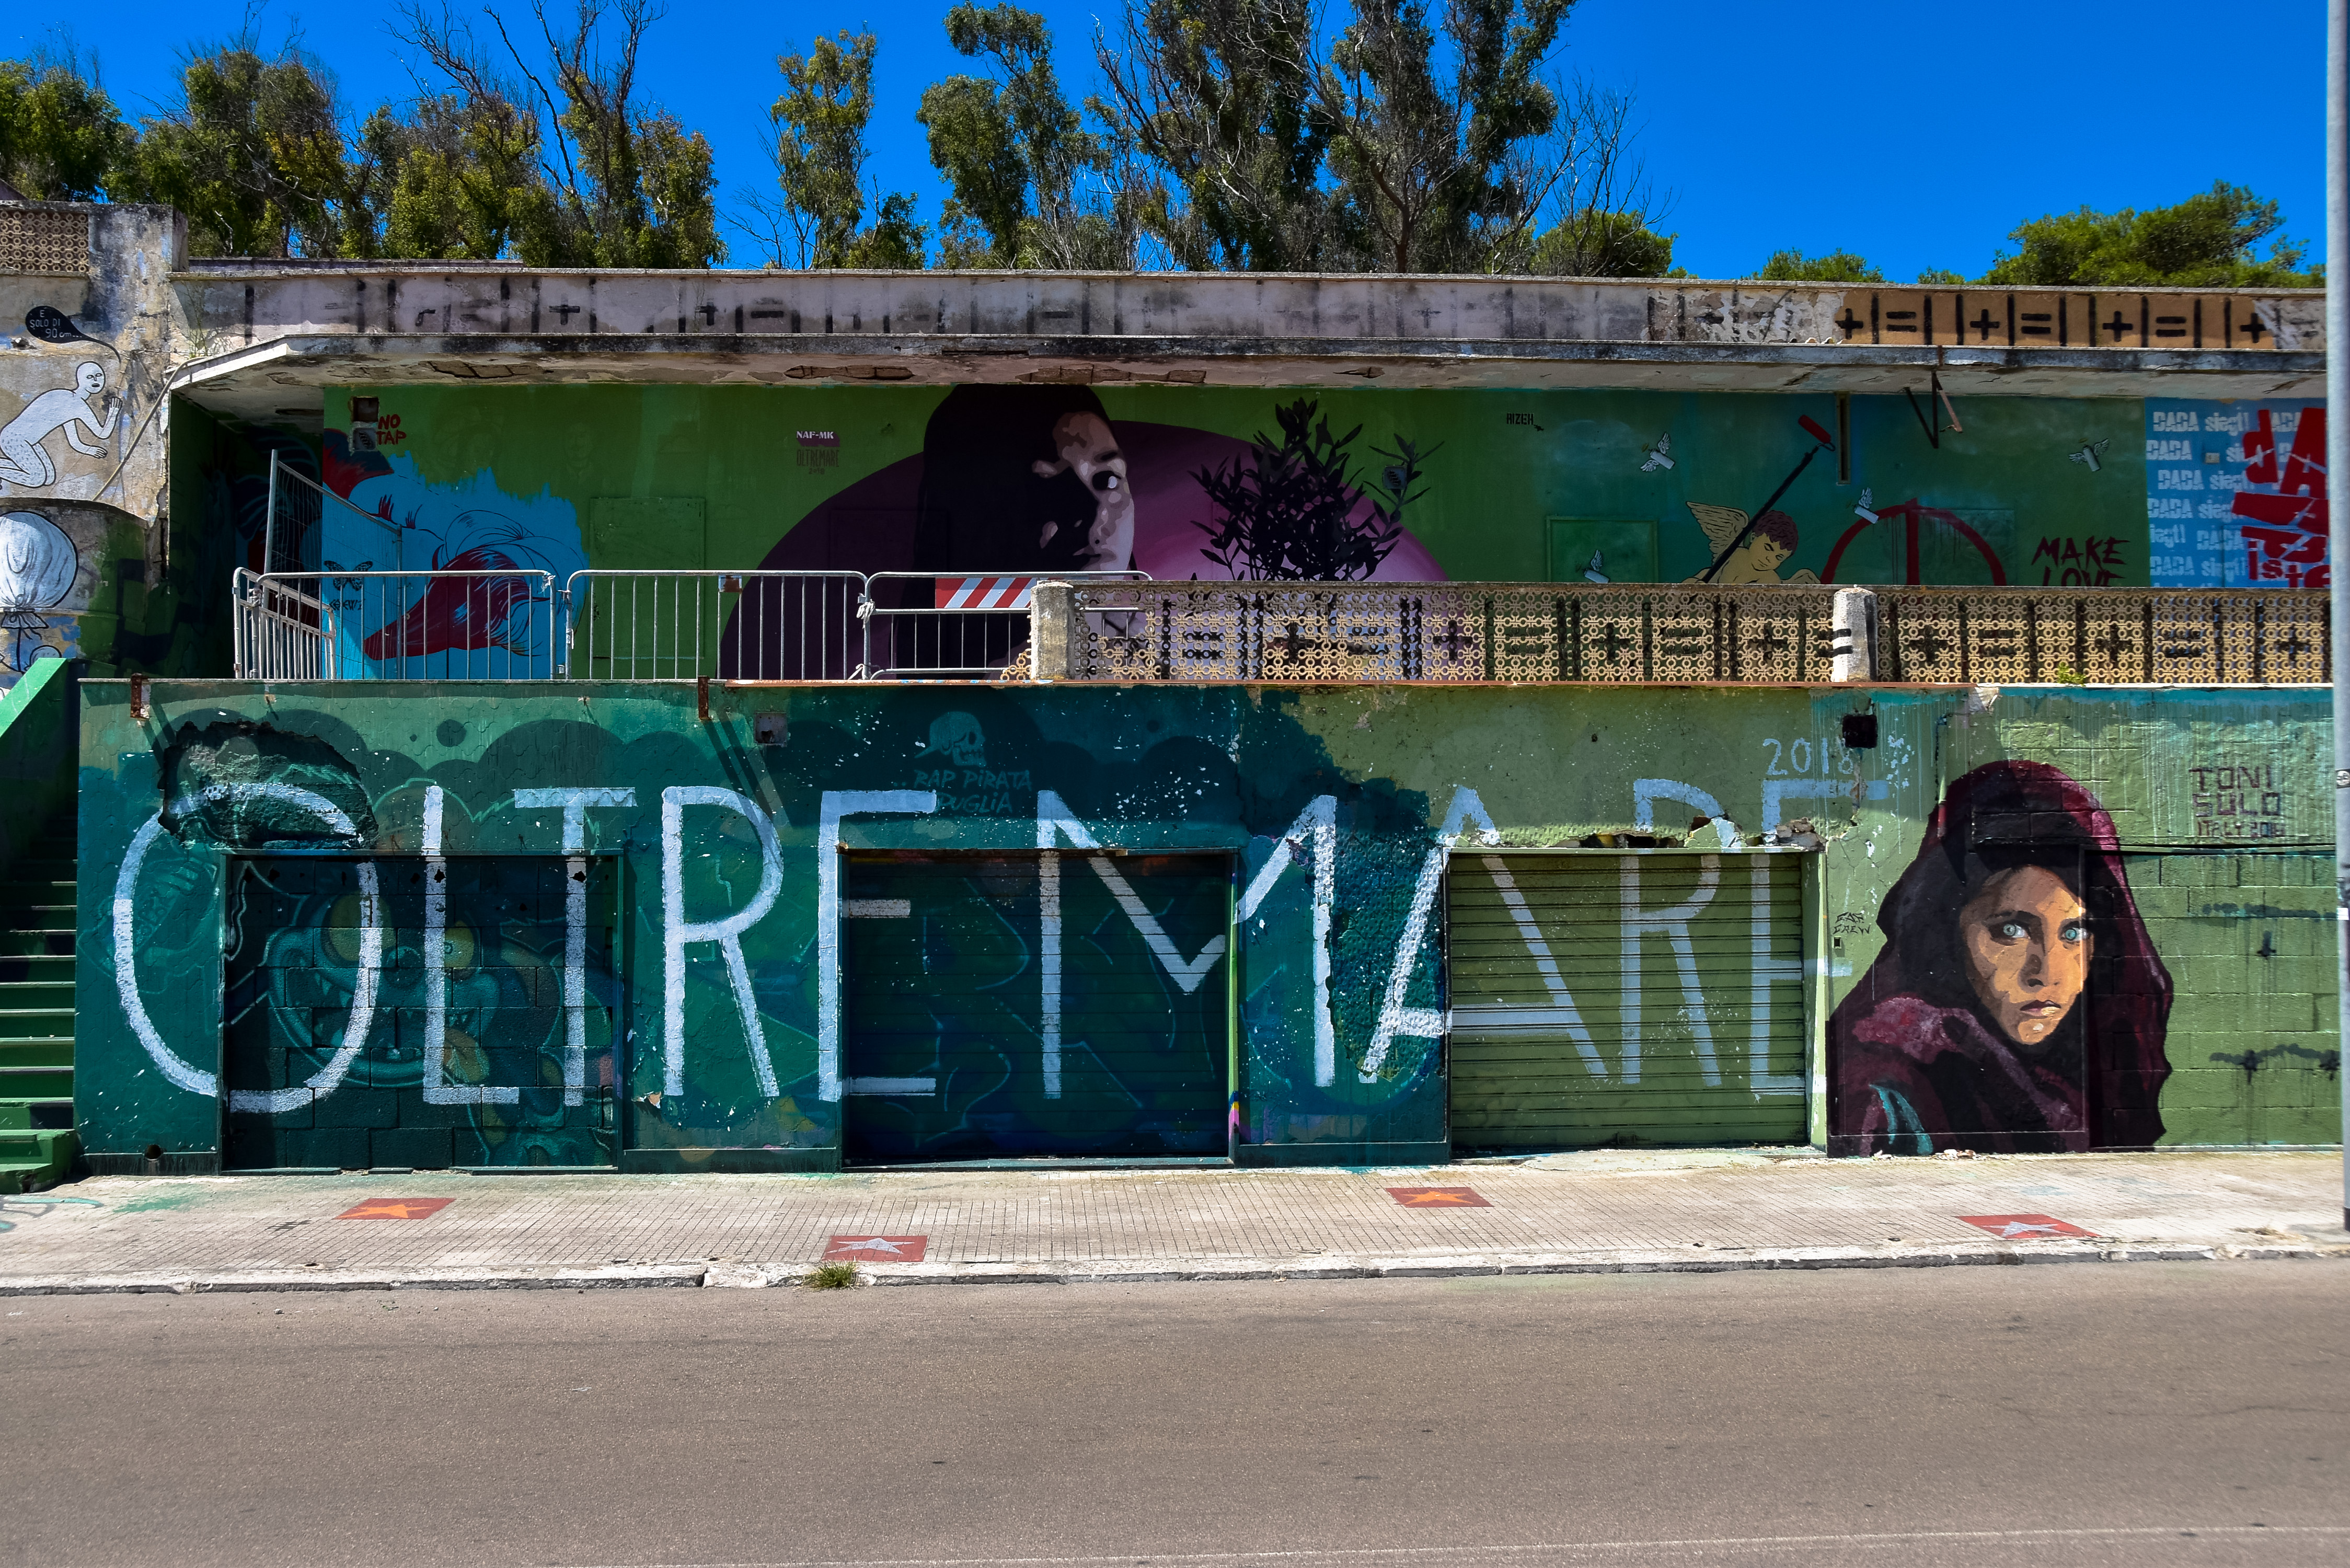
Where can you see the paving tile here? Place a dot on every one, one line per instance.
(1212, 1218)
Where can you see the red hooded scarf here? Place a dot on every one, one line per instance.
(1919, 1065)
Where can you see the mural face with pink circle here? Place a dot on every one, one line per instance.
(1026, 481)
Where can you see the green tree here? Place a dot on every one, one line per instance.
(1017, 155)
(818, 145)
(1432, 172)
(62, 138)
(253, 154)
(614, 183)
(1591, 243)
(453, 179)
(1218, 97)
(1606, 212)
(2208, 241)
(894, 241)
(1836, 266)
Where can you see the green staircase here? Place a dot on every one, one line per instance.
(37, 1144)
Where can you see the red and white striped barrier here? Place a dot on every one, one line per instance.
(982, 593)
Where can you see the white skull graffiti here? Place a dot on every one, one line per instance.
(959, 736)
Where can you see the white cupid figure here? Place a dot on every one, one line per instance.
(24, 461)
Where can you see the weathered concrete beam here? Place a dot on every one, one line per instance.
(253, 302)
(262, 372)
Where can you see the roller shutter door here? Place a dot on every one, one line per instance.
(1036, 1005)
(511, 1067)
(1625, 1000)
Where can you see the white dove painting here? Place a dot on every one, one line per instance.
(1660, 455)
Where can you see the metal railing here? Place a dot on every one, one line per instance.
(280, 632)
(921, 625)
(733, 626)
(293, 524)
(504, 625)
(514, 624)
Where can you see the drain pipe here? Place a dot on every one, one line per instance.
(2337, 491)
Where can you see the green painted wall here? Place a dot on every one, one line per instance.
(1520, 486)
(39, 716)
(1230, 770)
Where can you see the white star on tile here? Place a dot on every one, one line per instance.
(876, 1244)
(2017, 1228)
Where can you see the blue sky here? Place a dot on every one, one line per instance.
(1916, 135)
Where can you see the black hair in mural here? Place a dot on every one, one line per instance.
(1022, 480)
(2019, 1004)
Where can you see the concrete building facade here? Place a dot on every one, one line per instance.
(785, 721)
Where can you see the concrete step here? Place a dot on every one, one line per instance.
(32, 1160)
(35, 1024)
(17, 939)
(36, 1115)
(51, 1050)
(50, 990)
(38, 916)
(37, 1068)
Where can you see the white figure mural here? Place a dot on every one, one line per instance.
(37, 564)
(25, 462)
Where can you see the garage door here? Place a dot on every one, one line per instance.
(1043, 1004)
(512, 1073)
(1625, 998)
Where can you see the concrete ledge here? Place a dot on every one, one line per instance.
(728, 1161)
(737, 1274)
(614, 1276)
(179, 1162)
(1355, 1156)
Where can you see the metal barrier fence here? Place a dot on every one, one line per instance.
(732, 626)
(970, 627)
(503, 625)
(835, 626)
(279, 631)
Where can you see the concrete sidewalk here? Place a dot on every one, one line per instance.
(1599, 1211)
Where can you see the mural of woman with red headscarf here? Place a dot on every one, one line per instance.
(2018, 1004)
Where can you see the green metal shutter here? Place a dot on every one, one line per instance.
(1625, 998)
(517, 1085)
(949, 965)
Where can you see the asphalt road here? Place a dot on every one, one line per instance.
(2157, 1414)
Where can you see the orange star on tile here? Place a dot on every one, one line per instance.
(397, 1209)
(1438, 1198)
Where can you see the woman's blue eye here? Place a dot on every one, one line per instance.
(2074, 931)
(2010, 931)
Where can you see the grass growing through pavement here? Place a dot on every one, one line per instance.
(831, 1277)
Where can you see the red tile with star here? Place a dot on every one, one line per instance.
(2022, 1227)
(397, 1209)
(1438, 1198)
